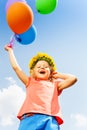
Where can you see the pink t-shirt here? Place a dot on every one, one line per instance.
(42, 97)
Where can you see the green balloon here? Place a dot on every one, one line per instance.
(46, 6)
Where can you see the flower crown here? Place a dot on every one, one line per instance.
(42, 56)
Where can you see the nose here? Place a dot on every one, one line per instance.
(42, 67)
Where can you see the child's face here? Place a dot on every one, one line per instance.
(42, 70)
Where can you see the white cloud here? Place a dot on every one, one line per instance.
(80, 120)
(11, 99)
(11, 80)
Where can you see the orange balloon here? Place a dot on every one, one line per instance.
(19, 17)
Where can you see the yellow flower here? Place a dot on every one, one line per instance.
(42, 56)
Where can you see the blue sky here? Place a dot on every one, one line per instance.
(63, 35)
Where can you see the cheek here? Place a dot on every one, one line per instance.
(35, 73)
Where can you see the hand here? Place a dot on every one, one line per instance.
(7, 47)
(54, 74)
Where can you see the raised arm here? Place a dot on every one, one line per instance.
(22, 76)
(68, 80)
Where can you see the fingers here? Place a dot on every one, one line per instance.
(8, 47)
(55, 75)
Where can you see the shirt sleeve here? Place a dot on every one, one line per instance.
(59, 91)
(29, 79)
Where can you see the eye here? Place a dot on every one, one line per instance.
(46, 67)
(38, 66)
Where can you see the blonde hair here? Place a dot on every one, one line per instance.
(42, 56)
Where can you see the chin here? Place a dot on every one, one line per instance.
(43, 78)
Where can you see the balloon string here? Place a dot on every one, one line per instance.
(12, 40)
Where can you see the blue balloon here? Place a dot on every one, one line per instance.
(27, 37)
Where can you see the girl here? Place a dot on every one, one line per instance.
(41, 109)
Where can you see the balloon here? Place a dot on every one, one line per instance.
(19, 17)
(27, 37)
(10, 2)
(46, 6)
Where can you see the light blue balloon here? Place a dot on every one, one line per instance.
(27, 37)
